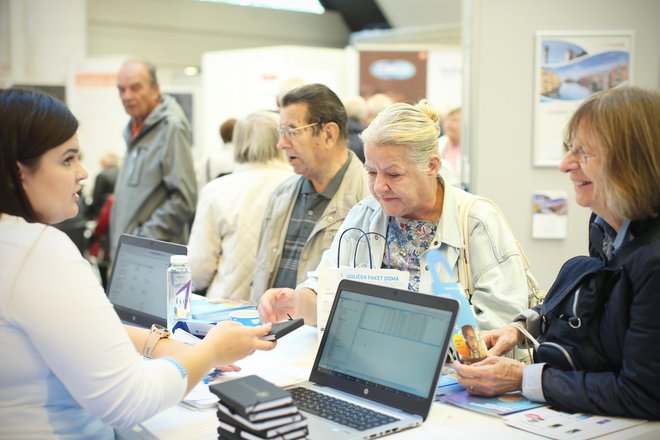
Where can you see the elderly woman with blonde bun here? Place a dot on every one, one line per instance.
(412, 207)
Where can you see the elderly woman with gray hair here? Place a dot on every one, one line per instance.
(223, 241)
(412, 207)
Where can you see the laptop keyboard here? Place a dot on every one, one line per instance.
(338, 410)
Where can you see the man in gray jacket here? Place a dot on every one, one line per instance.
(305, 211)
(156, 192)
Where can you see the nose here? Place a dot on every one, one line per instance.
(568, 162)
(380, 186)
(283, 142)
(82, 173)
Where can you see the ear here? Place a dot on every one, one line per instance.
(434, 165)
(330, 133)
(22, 170)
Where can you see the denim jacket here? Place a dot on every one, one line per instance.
(500, 284)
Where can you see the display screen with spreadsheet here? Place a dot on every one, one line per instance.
(385, 343)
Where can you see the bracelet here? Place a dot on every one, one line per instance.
(178, 365)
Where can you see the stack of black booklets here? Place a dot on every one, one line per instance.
(252, 408)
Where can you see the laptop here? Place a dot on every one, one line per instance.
(383, 350)
(137, 287)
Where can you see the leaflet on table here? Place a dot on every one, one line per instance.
(500, 405)
(556, 424)
(448, 384)
(329, 278)
(216, 309)
(200, 398)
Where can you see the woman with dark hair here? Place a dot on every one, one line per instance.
(71, 369)
(597, 330)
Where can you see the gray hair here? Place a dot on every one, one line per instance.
(415, 127)
(356, 108)
(255, 138)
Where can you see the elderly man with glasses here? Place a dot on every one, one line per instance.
(305, 211)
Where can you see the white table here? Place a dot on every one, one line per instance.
(291, 361)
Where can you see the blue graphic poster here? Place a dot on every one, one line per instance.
(569, 68)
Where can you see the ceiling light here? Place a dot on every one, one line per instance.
(311, 6)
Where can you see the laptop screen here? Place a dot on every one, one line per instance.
(138, 283)
(387, 343)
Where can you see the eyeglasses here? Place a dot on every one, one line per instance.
(292, 132)
(582, 155)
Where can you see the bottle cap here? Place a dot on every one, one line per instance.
(178, 260)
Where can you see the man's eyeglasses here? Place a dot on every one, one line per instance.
(292, 132)
(579, 152)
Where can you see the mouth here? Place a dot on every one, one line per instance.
(581, 183)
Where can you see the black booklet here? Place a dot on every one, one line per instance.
(228, 416)
(250, 394)
(288, 432)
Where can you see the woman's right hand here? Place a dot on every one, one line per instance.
(232, 341)
(502, 340)
(278, 304)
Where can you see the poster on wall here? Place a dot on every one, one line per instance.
(400, 75)
(571, 66)
(549, 215)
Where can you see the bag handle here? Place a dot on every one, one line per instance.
(464, 270)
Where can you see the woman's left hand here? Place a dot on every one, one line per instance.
(492, 376)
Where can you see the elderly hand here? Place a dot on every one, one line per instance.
(502, 340)
(277, 304)
(493, 376)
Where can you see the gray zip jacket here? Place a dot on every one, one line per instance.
(156, 190)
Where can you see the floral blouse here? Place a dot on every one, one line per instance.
(406, 240)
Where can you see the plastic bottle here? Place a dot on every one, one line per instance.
(178, 290)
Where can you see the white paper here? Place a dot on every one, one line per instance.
(562, 425)
(329, 278)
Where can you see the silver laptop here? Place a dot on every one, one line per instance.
(137, 287)
(382, 350)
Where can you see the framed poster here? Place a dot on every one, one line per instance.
(569, 67)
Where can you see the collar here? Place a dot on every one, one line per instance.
(333, 186)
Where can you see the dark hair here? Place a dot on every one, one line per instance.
(31, 123)
(323, 105)
(227, 130)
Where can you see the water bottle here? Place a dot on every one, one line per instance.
(178, 290)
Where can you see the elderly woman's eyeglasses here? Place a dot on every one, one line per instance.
(579, 152)
(292, 132)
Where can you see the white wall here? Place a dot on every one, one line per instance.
(238, 82)
(501, 84)
(44, 37)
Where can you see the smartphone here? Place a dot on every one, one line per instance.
(279, 329)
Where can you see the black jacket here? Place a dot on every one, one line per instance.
(609, 329)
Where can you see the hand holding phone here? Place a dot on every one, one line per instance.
(279, 329)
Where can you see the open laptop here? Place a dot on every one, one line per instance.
(138, 283)
(383, 350)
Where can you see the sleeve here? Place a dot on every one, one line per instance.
(76, 331)
(532, 382)
(630, 389)
(205, 244)
(178, 170)
(499, 279)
